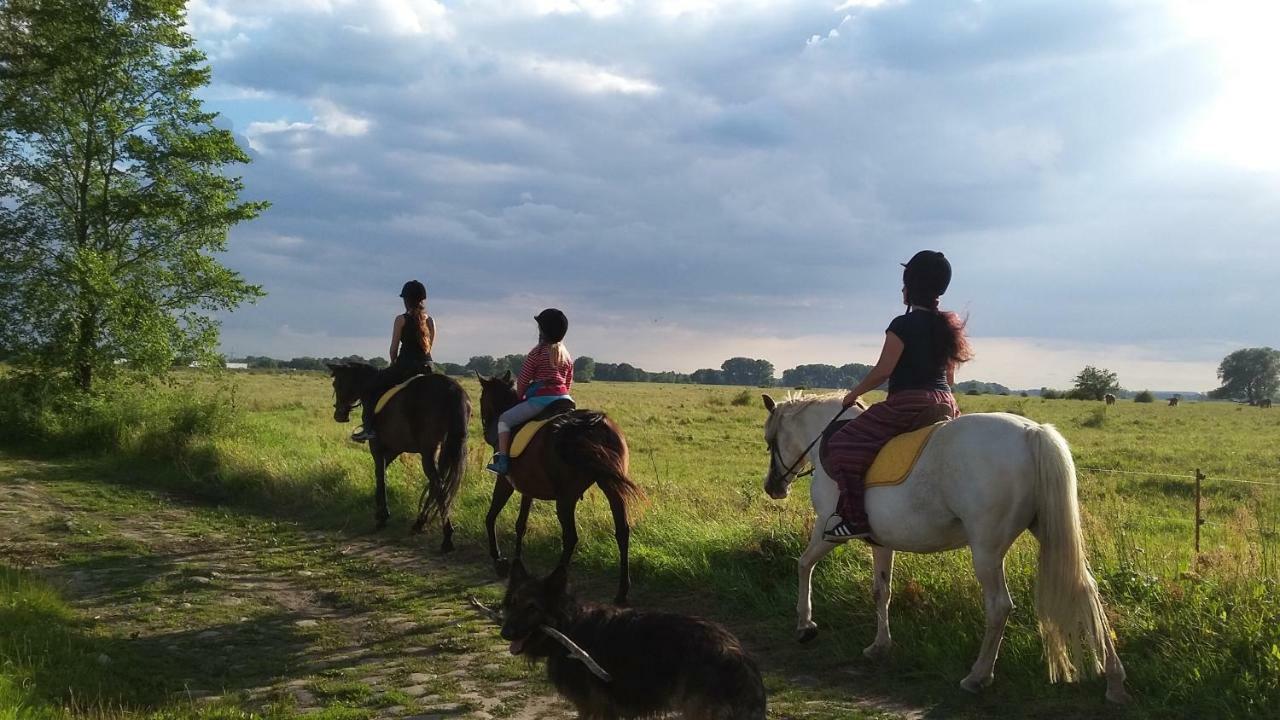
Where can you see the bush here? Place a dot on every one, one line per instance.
(743, 398)
(1144, 397)
(145, 418)
(1050, 394)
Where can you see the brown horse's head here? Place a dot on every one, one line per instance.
(497, 395)
(349, 382)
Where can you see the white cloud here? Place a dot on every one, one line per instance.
(329, 119)
(703, 182)
(587, 78)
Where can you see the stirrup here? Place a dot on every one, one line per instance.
(500, 465)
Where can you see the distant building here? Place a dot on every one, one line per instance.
(237, 366)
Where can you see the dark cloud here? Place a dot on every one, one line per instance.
(748, 167)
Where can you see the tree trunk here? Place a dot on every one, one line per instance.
(86, 343)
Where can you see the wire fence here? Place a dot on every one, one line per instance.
(1196, 516)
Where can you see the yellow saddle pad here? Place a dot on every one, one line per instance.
(894, 461)
(386, 396)
(525, 434)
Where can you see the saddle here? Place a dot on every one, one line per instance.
(386, 396)
(894, 461)
(522, 434)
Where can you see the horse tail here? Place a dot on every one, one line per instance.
(452, 459)
(1073, 625)
(600, 452)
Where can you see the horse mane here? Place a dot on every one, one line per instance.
(797, 402)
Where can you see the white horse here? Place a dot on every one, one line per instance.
(981, 481)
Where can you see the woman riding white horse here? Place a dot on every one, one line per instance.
(982, 480)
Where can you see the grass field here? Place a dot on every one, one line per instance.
(1200, 636)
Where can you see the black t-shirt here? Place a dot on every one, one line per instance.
(918, 368)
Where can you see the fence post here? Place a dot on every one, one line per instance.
(1199, 517)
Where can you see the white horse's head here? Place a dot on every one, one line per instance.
(790, 432)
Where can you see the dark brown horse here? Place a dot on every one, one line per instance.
(429, 417)
(578, 450)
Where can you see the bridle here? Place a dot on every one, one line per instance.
(775, 457)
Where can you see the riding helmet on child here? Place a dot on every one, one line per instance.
(552, 324)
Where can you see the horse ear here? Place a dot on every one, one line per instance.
(769, 404)
(479, 377)
(506, 377)
(333, 367)
(557, 581)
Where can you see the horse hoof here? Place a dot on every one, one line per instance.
(502, 567)
(975, 687)
(807, 634)
(1119, 696)
(878, 653)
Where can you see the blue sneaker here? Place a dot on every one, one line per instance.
(501, 464)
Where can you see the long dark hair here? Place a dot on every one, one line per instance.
(950, 343)
(417, 310)
(924, 279)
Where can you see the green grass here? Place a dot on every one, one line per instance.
(1199, 636)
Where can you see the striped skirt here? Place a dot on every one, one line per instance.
(851, 451)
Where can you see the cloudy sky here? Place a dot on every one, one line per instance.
(695, 179)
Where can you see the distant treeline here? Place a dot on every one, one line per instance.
(259, 362)
(734, 371)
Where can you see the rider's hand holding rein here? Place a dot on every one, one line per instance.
(889, 356)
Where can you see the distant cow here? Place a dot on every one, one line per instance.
(1109, 399)
(1173, 401)
(1265, 403)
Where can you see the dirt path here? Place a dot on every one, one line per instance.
(276, 618)
(257, 614)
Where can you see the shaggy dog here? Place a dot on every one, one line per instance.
(657, 662)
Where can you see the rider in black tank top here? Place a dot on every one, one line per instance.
(410, 354)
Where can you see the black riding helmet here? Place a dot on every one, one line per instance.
(926, 276)
(414, 291)
(553, 324)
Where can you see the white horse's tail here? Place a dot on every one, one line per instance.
(1073, 626)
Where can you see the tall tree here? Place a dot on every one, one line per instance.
(584, 368)
(1095, 383)
(113, 195)
(747, 371)
(1250, 374)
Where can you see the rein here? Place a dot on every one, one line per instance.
(777, 456)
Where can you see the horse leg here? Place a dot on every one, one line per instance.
(621, 533)
(1115, 673)
(446, 531)
(989, 567)
(568, 528)
(502, 490)
(432, 474)
(522, 522)
(382, 514)
(882, 572)
(806, 628)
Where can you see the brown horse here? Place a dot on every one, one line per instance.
(580, 449)
(1173, 401)
(429, 417)
(1109, 399)
(1265, 403)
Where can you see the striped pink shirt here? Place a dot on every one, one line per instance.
(540, 368)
